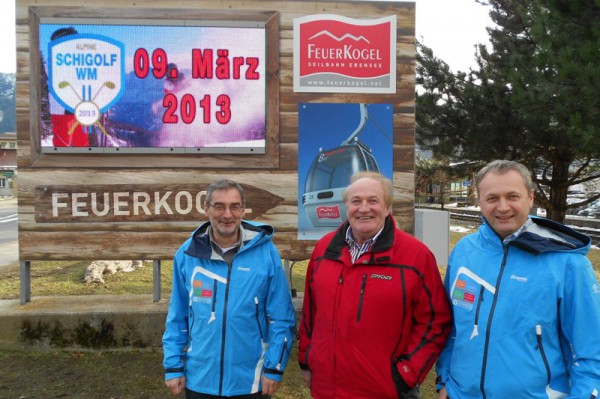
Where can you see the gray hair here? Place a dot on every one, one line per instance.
(224, 184)
(386, 184)
(502, 166)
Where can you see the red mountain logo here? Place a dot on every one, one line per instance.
(339, 39)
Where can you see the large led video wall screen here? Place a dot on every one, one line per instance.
(150, 86)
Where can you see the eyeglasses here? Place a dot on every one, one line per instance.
(233, 208)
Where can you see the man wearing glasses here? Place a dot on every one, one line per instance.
(231, 323)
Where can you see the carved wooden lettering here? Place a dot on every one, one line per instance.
(136, 203)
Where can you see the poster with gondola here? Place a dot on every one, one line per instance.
(334, 142)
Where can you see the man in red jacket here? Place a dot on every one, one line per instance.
(375, 315)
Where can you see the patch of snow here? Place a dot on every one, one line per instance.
(95, 271)
(460, 229)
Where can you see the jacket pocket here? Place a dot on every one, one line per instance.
(306, 356)
(283, 350)
(540, 347)
(190, 323)
(476, 321)
(360, 299)
(262, 338)
(214, 303)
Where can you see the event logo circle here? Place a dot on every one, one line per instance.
(87, 113)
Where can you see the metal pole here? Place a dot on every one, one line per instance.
(156, 279)
(287, 269)
(25, 272)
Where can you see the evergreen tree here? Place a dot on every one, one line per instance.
(532, 98)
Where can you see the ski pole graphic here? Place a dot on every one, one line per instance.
(64, 84)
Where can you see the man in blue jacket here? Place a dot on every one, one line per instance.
(525, 301)
(231, 321)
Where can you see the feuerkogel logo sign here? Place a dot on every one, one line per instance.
(339, 54)
(85, 74)
(328, 212)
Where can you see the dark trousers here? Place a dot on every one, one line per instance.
(196, 395)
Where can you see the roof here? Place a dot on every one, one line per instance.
(8, 136)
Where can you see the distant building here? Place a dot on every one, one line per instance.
(8, 164)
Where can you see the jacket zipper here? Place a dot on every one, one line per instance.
(258, 318)
(222, 366)
(489, 323)
(476, 323)
(362, 293)
(278, 367)
(540, 346)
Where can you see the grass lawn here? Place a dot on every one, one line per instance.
(143, 376)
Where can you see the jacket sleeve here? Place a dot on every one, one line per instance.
(282, 320)
(431, 326)
(308, 315)
(580, 324)
(175, 337)
(442, 366)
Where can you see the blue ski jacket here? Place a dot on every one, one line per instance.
(227, 326)
(526, 316)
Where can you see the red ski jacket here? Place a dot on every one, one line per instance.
(375, 327)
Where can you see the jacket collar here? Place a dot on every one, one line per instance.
(252, 234)
(383, 243)
(544, 235)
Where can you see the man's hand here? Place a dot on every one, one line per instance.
(306, 376)
(443, 394)
(269, 386)
(176, 385)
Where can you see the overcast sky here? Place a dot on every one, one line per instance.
(8, 58)
(450, 27)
